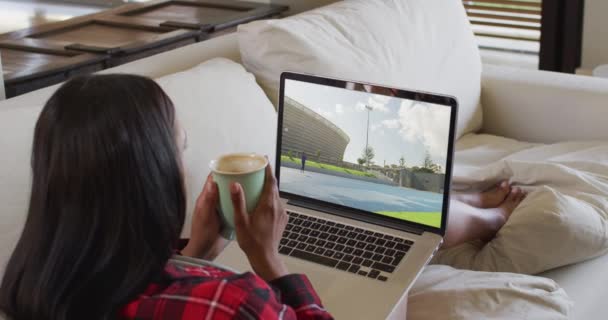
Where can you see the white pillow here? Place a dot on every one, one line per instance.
(445, 293)
(563, 220)
(223, 110)
(417, 44)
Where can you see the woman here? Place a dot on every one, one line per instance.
(106, 210)
(107, 206)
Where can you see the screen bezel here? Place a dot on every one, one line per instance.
(360, 214)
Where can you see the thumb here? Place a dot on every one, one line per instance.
(241, 217)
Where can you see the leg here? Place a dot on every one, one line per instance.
(467, 223)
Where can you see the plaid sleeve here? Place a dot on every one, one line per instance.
(290, 298)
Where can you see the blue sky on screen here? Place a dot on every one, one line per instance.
(397, 127)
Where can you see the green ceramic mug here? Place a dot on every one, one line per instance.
(248, 169)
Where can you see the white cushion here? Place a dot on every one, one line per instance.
(445, 293)
(563, 220)
(218, 103)
(417, 44)
(223, 110)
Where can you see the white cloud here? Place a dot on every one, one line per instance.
(378, 103)
(427, 124)
(339, 108)
(360, 106)
(391, 124)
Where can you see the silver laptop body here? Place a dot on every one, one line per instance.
(365, 174)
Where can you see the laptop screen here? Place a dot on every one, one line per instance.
(365, 147)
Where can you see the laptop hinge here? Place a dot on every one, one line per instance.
(359, 217)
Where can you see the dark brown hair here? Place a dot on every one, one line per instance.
(107, 201)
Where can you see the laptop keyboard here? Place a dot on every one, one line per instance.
(363, 252)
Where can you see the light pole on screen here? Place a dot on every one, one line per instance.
(369, 109)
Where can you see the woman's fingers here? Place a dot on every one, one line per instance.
(241, 217)
(208, 199)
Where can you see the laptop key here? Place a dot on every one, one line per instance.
(358, 252)
(310, 248)
(292, 243)
(315, 233)
(377, 257)
(297, 222)
(408, 242)
(370, 239)
(301, 246)
(402, 247)
(315, 226)
(367, 254)
(333, 230)
(380, 242)
(390, 244)
(284, 241)
(305, 231)
(348, 250)
(349, 228)
(373, 274)
(361, 237)
(339, 225)
(358, 230)
(348, 258)
(324, 228)
(286, 234)
(351, 235)
(319, 251)
(354, 268)
(343, 265)
(293, 236)
(342, 240)
(339, 247)
(389, 252)
(361, 245)
(321, 242)
(313, 219)
(338, 255)
(302, 238)
(329, 253)
(387, 237)
(296, 229)
(351, 242)
(306, 224)
(370, 247)
(330, 245)
(342, 233)
(383, 267)
(358, 260)
(330, 223)
(398, 257)
(378, 235)
(387, 260)
(333, 238)
(367, 263)
(288, 227)
(380, 250)
(311, 240)
(362, 273)
(314, 258)
(285, 250)
(399, 240)
(324, 235)
(382, 278)
(369, 233)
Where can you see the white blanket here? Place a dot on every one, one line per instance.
(442, 292)
(563, 220)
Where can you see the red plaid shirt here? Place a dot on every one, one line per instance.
(204, 292)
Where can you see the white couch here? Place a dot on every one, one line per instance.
(525, 105)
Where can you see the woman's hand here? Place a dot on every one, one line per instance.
(258, 233)
(205, 240)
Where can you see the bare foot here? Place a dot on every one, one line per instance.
(491, 198)
(495, 218)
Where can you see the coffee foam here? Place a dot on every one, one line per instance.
(240, 163)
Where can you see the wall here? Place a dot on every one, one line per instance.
(595, 43)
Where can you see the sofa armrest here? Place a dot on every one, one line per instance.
(545, 107)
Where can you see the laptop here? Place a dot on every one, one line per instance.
(365, 173)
